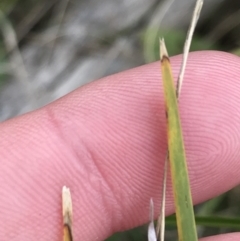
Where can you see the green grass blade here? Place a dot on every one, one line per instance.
(210, 221)
(179, 173)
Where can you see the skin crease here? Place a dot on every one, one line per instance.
(107, 142)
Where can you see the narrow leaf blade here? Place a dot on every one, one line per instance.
(179, 173)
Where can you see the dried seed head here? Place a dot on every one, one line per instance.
(67, 214)
(151, 229)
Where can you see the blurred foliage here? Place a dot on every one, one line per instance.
(236, 51)
(3, 74)
(13, 12)
(7, 5)
(135, 234)
(3, 55)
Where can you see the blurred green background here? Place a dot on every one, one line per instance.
(31, 28)
(49, 48)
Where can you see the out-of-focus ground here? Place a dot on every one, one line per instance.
(49, 48)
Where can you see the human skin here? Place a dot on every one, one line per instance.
(107, 142)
